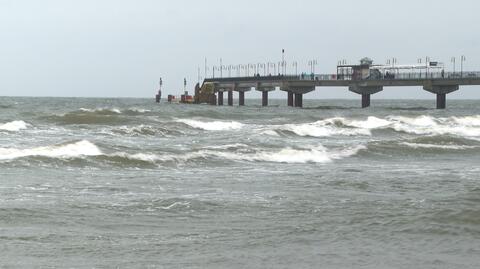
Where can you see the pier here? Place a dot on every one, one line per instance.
(364, 79)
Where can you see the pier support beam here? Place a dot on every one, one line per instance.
(365, 100)
(441, 100)
(441, 91)
(241, 98)
(290, 98)
(265, 98)
(220, 98)
(230, 98)
(366, 92)
(298, 100)
(265, 89)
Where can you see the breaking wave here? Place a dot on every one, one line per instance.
(71, 150)
(145, 130)
(212, 125)
(235, 152)
(435, 146)
(321, 128)
(317, 154)
(422, 125)
(102, 111)
(14, 126)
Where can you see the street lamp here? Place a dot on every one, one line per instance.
(427, 62)
(215, 68)
(221, 68)
(261, 66)
(312, 64)
(453, 60)
(274, 68)
(199, 78)
(295, 65)
(462, 59)
(206, 68)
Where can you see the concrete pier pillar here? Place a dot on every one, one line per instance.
(290, 98)
(365, 100)
(366, 92)
(220, 98)
(265, 98)
(441, 91)
(230, 98)
(241, 98)
(441, 100)
(298, 100)
(213, 100)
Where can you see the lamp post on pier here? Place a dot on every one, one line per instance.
(312, 64)
(427, 62)
(453, 60)
(221, 68)
(271, 65)
(206, 68)
(462, 60)
(215, 68)
(295, 65)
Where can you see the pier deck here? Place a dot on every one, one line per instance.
(439, 83)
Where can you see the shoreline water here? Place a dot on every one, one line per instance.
(129, 183)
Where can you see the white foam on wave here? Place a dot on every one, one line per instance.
(72, 150)
(322, 128)
(318, 154)
(468, 126)
(467, 120)
(370, 123)
(84, 148)
(137, 130)
(427, 125)
(110, 110)
(14, 126)
(434, 146)
(212, 125)
(144, 157)
(139, 110)
(228, 146)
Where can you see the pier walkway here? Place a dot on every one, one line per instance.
(439, 83)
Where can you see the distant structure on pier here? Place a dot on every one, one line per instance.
(159, 93)
(365, 79)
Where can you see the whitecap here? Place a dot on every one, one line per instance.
(212, 125)
(467, 120)
(71, 150)
(14, 126)
(434, 146)
(323, 128)
(318, 154)
(101, 110)
(370, 123)
(428, 125)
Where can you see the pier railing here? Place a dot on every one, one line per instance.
(336, 77)
(396, 76)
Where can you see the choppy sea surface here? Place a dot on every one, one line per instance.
(127, 183)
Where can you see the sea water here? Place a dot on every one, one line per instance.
(127, 183)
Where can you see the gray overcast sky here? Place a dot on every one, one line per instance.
(119, 48)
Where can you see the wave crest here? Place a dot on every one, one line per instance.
(14, 126)
(212, 125)
(71, 150)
